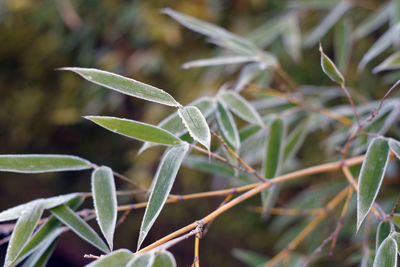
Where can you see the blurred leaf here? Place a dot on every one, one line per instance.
(367, 259)
(292, 37)
(41, 256)
(327, 23)
(395, 147)
(142, 260)
(391, 63)
(247, 74)
(272, 162)
(248, 131)
(219, 61)
(396, 238)
(396, 219)
(23, 230)
(228, 126)
(173, 123)
(105, 202)
(120, 257)
(379, 46)
(343, 44)
(196, 125)
(382, 232)
(164, 179)
(268, 32)
(164, 259)
(125, 85)
(79, 226)
(248, 257)
(329, 68)
(373, 21)
(35, 163)
(371, 176)
(296, 139)
(136, 130)
(240, 107)
(386, 256)
(47, 233)
(48, 203)
(221, 36)
(313, 4)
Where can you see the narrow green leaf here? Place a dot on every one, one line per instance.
(330, 69)
(371, 176)
(228, 126)
(142, 260)
(292, 37)
(219, 35)
(268, 32)
(373, 21)
(34, 163)
(47, 233)
(391, 63)
(125, 85)
(396, 219)
(272, 162)
(367, 258)
(23, 230)
(382, 232)
(216, 61)
(164, 179)
(241, 107)
(120, 257)
(295, 139)
(247, 74)
(313, 4)
(173, 123)
(42, 255)
(164, 259)
(386, 256)
(196, 125)
(334, 15)
(48, 203)
(79, 226)
(343, 44)
(395, 147)
(105, 202)
(135, 129)
(384, 42)
(396, 238)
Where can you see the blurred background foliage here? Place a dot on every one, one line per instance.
(41, 108)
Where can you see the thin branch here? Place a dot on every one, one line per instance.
(353, 106)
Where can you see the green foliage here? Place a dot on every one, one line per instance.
(272, 132)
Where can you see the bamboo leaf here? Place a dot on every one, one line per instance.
(272, 162)
(395, 147)
(42, 255)
(396, 219)
(382, 232)
(173, 123)
(396, 238)
(142, 260)
(120, 257)
(105, 202)
(136, 130)
(47, 233)
(386, 256)
(391, 63)
(247, 74)
(79, 226)
(248, 257)
(23, 230)
(292, 37)
(238, 105)
(330, 69)
(221, 36)
(125, 85)
(216, 61)
(164, 259)
(295, 139)
(343, 44)
(334, 15)
(34, 163)
(379, 46)
(164, 179)
(373, 21)
(228, 126)
(196, 125)
(268, 32)
(371, 176)
(48, 203)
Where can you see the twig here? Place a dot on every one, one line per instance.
(353, 106)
